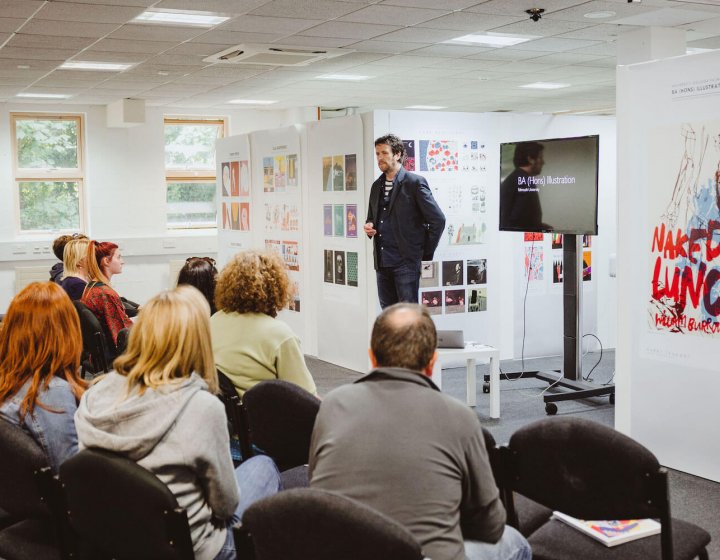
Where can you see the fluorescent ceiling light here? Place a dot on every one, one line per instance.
(545, 85)
(493, 39)
(252, 101)
(202, 19)
(342, 77)
(44, 95)
(106, 66)
(426, 107)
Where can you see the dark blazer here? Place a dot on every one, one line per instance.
(415, 217)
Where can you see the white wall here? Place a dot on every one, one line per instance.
(125, 196)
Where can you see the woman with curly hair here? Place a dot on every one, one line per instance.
(249, 343)
(40, 347)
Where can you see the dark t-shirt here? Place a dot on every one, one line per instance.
(74, 287)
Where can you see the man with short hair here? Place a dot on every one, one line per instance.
(519, 195)
(392, 441)
(404, 222)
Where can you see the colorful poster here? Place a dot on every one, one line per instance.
(234, 178)
(292, 170)
(557, 241)
(327, 220)
(351, 220)
(534, 270)
(477, 299)
(477, 271)
(235, 212)
(226, 180)
(340, 267)
(429, 274)
(244, 178)
(432, 300)
(351, 267)
(455, 301)
(469, 231)
(533, 236)
(268, 174)
(338, 173)
(339, 220)
(329, 266)
(409, 162)
(280, 173)
(295, 303)
(327, 173)
(452, 273)
(290, 254)
(438, 155)
(587, 266)
(226, 221)
(557, 269)
(351, 172)
(244, 216)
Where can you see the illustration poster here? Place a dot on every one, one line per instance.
(226, 222)
(429, 274)
(235, 178)
(268, 174)
(466, 232)
(557, 241)
(244, 216)
(235, 212)
(533, 236)
(587, 266)
(477, 299)
(327, 173)
(290, 254)
(432, 300)
(226, 187)
(452, 273)
(340, 267)
(244, 178)
(351, 172)
(409, 163)
(534, 269)
(351, 268)
(292, 170)
(455, 301)
(351, 220)
(329, 265)
(439, 155)
(280, 173)
(338, 173)
(339, 220)
(477, 271)
(557, 269)
(327, 220)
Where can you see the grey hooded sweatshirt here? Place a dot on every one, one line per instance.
(179, 433)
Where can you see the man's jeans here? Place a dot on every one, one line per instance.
(511, 546)
(399, 283)
(257, 478)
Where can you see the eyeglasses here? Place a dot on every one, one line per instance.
(206, 259)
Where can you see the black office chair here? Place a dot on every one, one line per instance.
(239, 434)
(591, 471)
(281, 417)
(96, 355)
(312, 524)
(530, 515)
(29, 498)
(121, 510)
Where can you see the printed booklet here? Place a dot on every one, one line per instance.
(614, 532)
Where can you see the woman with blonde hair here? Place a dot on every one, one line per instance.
(40, 347)
(75, 276)
(249, 343)
(101, 299)
(158, 409)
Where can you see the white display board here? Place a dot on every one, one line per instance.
(340, 252)
(669, 259)
(234, 195)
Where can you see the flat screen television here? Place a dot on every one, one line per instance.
(550, 185)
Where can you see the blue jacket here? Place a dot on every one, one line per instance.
(415, 216)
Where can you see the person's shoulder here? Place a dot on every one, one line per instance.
(412, 178)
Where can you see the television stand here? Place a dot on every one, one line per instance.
(571, 375)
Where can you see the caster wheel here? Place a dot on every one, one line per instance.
(551, 409)
(486, 387)
(612, 398)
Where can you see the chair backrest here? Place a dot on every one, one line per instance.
(23, 461)
(586, 470)
(235, 414)
(281, 417)
(312, 524)
(122, 340)
(122, 510)
(94, 341)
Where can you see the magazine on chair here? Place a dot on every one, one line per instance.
(614, 532)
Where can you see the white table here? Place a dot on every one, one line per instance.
(471, 353)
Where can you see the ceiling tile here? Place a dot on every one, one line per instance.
(103, 56)
(393, 15)
(390, 47)
(223, 6)
(21, 40)
(319, 42)
(192, 48)
(156, 32)
(67, 28)
(556, 45)
(19, 8)
(231, 38)
(59, 55)
(265, 24)
(121, 45)
(602, 32)
(310, 9)
(450, 51)
(341, 29)
(40, 66)
(70, 11)
(543, 28)
(420, 35)
(446, 5)
(466, 21)
(10, 25)
(518, 7)
(142, 3)
(666, 17)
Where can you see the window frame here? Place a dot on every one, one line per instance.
(199, 175)
(25, 175)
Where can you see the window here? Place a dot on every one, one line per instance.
(190, 171)
(49, 171)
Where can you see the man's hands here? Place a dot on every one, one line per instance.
(369, 229)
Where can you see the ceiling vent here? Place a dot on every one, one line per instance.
(273, 55)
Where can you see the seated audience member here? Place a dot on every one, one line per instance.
(56, 272)
(394, 442)
(102, 300)
(249, 344)
(40, 347)
(75, 270)
(111, 263)
(200, 272)
(158, 409)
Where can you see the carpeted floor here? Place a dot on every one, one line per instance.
(693, 499)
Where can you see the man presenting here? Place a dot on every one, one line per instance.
(404, 221)
(392, 441)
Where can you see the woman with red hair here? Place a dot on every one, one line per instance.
(99, 296)
(40, 347)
